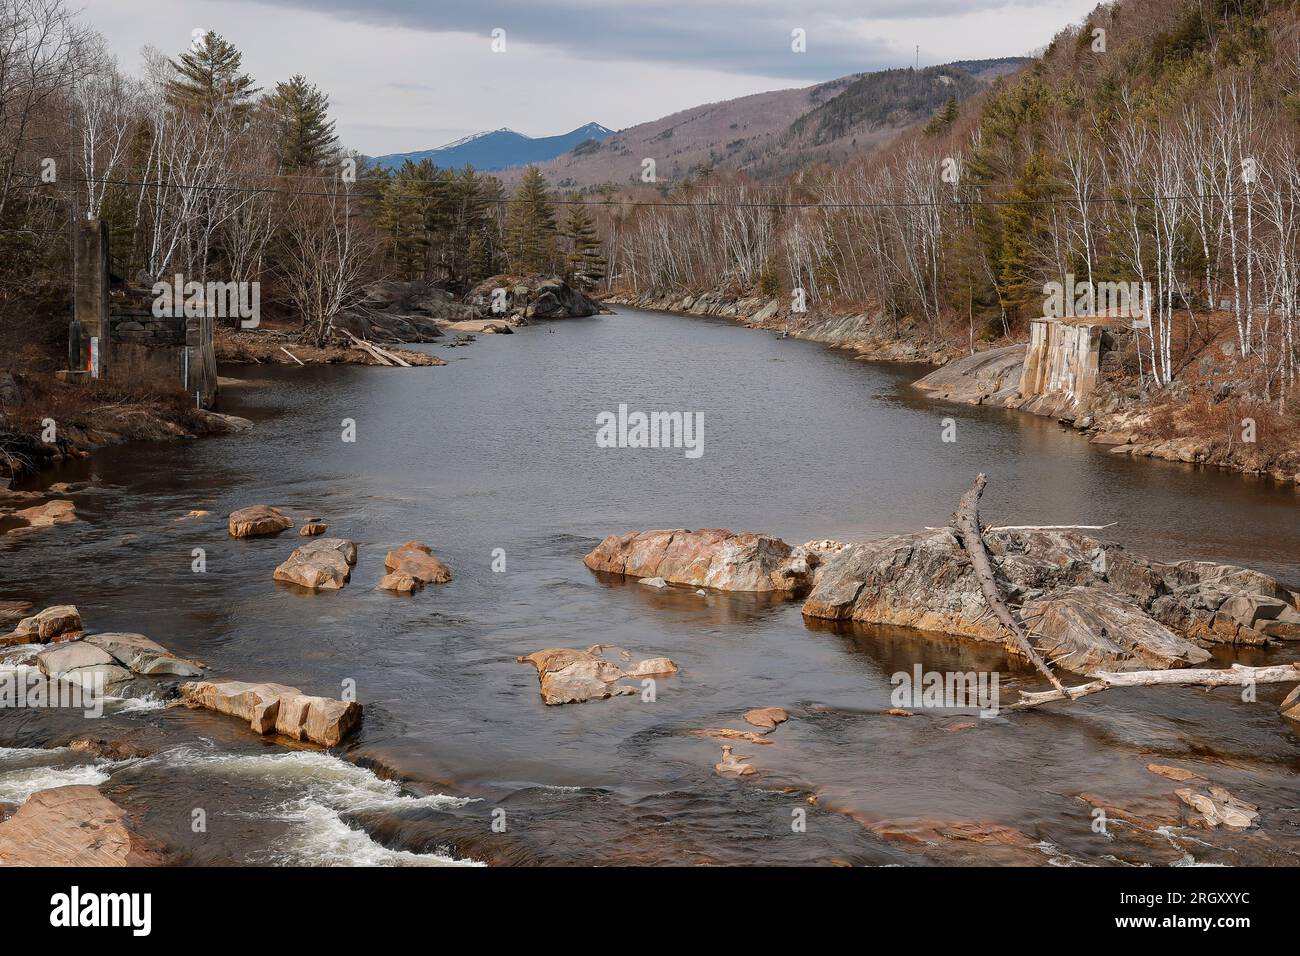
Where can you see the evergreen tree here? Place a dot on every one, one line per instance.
(585, 263)
(303, 128)
(207, 77)
(530, 226)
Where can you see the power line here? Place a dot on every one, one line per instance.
(667, 204)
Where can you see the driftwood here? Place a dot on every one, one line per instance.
(291, 355)
(967, 525)
(1238, 674)
(383, 356)
(966, 521)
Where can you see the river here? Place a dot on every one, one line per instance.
(495, 455)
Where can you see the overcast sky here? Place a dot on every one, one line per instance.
(414, 74)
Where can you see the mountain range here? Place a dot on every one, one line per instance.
(765, 134)
(500, 149)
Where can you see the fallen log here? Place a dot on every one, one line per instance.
(1238, 675)
(291, 355)
(966, 522)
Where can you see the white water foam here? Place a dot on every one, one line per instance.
(17, 785)
(330, 786)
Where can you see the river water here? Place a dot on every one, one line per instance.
(495, 455)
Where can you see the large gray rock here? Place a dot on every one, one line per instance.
(1097, 604)
(142, 656)
(81, 663)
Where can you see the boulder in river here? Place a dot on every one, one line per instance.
(277, 708)
(1291, 704)
(709, 557)
(62, 622)
(766, 717)
(258, 520)
(140, 655)
(411, 566)
(81, 663)
(321, 565)
(569, 676)
(45, 515)
(1096, 604)
(73, 826)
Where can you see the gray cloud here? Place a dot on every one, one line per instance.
(738, 36)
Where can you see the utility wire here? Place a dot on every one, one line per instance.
(669, 204)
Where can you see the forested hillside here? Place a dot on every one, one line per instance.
(1153, 143)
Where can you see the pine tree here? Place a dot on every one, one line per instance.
(585, 263)
(530, 226)
(207, 77)
(304, 130)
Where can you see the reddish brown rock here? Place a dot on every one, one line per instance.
(321, 565)
(709, 558)
(312, 528)
(45, 515)
(766, 717)
(257, 521)
(277, 708)
(51, 624)
(412, 566)
(569, 676)
(72, 826)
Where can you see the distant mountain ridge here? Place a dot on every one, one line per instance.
(769, 135)
(499, 149)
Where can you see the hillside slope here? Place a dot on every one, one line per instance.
(770, 134)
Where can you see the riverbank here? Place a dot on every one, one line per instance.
(1211, 415)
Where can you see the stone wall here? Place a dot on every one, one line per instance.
(170, 351)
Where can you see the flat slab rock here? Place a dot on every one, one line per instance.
(568, 676)
(72, 826)
(707, 558)
(1096, 604)
(277, 708)
(324, 564)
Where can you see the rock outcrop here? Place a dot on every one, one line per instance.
(533, 297)
(73, 826)
(258, 520)
(710, 558)
(1094, 604)
(411, 566)
(277, 708)
(324, 564)
(140, 655)
(569, 676)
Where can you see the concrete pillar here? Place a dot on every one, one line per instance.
(90, 294)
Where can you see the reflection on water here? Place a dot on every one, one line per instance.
(497, 451)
